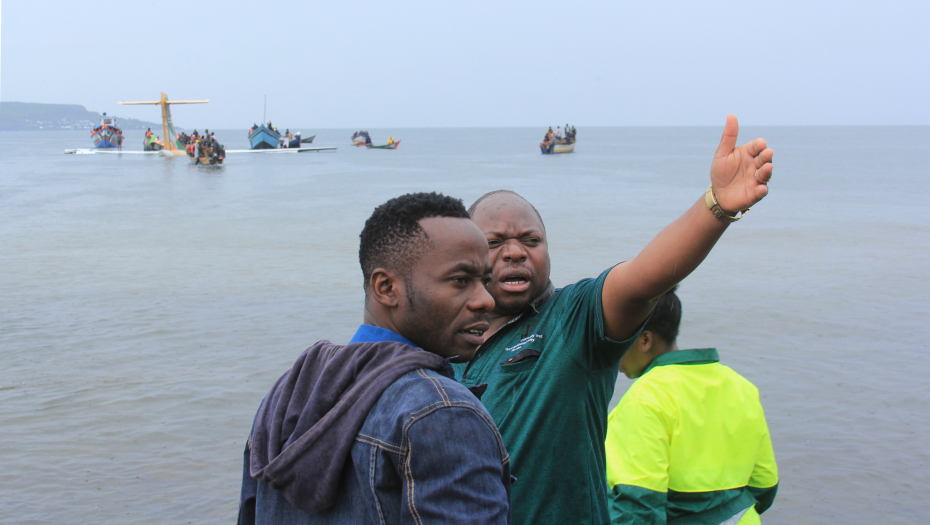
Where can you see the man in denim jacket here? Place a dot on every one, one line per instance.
(378, 430)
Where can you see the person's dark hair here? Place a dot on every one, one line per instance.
(474, 206)
(666, 317)
(392, 237)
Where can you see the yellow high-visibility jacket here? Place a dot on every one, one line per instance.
(688, 443)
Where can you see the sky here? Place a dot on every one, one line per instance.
(363, 64)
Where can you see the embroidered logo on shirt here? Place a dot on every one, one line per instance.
(523, 342)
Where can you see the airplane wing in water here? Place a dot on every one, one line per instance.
(281, 150)
(80, 151)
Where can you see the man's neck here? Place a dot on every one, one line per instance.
(378, 320)
(497, 322)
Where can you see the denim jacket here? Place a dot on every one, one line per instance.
(428, 452)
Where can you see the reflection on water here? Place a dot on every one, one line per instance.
(148, 305)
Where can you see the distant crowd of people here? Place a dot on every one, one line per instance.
(202, 146)
(567, 138)
(363, 135)
(269, 126)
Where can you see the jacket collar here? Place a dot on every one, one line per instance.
(367, 333)
(700, 356)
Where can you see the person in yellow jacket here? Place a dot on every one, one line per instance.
(688, 442)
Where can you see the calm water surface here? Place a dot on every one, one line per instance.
(146, 306)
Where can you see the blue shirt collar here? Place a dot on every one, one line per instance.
(372, 334)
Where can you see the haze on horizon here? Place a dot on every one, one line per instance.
(373, 65)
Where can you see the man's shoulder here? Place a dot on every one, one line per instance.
(560, 297)
(420, 390)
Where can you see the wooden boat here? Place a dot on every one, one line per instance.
(148, 145)
(557, 143)
(556, 146)
(264, 137)
(296, 141)
(107, 134)
(392, 145)
(361, 138)
(206, 162)
(206, 159)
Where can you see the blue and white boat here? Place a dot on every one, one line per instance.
(107, 134)
(264, 137)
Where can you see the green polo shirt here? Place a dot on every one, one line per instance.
(551, 373)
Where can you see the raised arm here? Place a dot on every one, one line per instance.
(739, 178)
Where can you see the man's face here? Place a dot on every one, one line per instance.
(519, 253)
(445, 306)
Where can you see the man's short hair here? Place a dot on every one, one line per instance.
(474, 206)
(392, 237)
(666, 317)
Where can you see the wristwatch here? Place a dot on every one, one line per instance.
(711, 200)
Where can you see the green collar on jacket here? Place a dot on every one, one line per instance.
(699, 356)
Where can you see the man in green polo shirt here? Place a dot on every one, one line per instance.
(550, 358)
(688, 441)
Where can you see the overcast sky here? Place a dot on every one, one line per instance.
(360, 64)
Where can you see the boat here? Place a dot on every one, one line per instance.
(554, 146)
(296, 140)
(206, 159)
(107, 134)
(148, 145)
(389, 145)
(361, 138)
(558, 144)
(264, 137)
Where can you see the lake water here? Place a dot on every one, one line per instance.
(146, 306)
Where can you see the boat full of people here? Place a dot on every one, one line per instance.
(204, 150)
(558, 141)
(361, 138)
(107, 134)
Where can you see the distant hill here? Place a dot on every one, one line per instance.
(28, 116)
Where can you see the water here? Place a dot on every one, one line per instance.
(146, 306)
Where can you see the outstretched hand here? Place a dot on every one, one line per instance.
(740, 174)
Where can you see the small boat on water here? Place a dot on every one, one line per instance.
(295, 140)
(361, 138)
(556, 147)
(390, 145)
(107, 134)
(555, 142)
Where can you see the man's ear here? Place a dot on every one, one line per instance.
(648, 340)
(386, 287)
